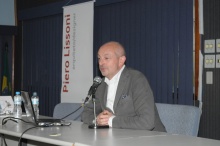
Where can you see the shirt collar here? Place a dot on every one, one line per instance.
(116, 77)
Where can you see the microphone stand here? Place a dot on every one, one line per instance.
(94, 125)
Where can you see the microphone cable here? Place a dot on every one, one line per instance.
(96, 82)
(72, 112)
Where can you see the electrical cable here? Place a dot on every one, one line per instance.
(6, 119)
(3, 138)
(19, 141)
(5, 141)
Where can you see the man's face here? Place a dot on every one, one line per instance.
(109, 62)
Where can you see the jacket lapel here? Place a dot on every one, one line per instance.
(121, 86)
(102, 94)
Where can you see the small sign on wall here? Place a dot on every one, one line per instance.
(6, 105)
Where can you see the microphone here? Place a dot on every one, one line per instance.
(96, 82)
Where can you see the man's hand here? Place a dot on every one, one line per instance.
(103, 117)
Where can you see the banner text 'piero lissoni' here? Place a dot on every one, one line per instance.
(66, 53)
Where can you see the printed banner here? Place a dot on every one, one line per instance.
(77, 59)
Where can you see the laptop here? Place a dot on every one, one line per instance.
(47, 122)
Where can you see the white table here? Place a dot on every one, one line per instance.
(79, 134)
(75, 134)
(161, 140)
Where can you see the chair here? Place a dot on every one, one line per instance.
(63, 109)
(179, 119)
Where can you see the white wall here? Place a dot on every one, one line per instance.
(7, 12)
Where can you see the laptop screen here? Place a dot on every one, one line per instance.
(28, 106)
(32, 117)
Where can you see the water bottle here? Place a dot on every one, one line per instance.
(17, 105)
(35, 102)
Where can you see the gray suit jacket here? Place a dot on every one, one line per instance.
(134, 106)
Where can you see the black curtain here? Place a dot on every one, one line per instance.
(158, 38)
(42, 60)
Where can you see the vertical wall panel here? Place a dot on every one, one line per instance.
(210, 119)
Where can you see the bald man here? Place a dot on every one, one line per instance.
(124, 98)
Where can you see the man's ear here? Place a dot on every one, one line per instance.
(122, 60)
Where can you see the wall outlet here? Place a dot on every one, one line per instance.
(218, 45)
(209, 46)
(209, 61)
(217, 61)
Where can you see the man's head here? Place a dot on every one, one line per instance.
(111, 57)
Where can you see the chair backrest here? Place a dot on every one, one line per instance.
(63, 109)
(179, 119)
